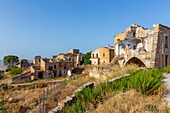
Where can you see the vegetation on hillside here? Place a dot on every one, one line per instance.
(86, 59)
(15, 71)
(148, 82)
(131, 101)
(26, 98)
(166, 69)
(3, 108)
(10, 60)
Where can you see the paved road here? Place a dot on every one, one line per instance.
(167, 84)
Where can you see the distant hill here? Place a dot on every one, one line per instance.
(2, 67)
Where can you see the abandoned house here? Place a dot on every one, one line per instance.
(46, 68)
(148, 47)
(73, 56)
(74, 51)
(23, 63)
(36, 60)
(102, 55)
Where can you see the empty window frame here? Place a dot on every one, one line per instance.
(166, 60)
(103, 54)
(166, 42)
(96, 55)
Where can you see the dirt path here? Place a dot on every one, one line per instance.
(27, 84)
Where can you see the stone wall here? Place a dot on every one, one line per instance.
(25, 77)
(146, 45)
(163, 51)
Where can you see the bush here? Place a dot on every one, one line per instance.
(15, 71)
(166, 69)
(76, 108)
(147, 82)
(3, 109)
(10, 68)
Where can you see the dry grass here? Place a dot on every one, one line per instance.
(22, 99)
(27, 98)
(114, 71)
(78, 80)
(132, 102)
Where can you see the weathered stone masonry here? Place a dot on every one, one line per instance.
(144, 46)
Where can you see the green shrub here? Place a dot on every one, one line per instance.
(10, 68)
(166, 69)
(15, 71)
(168, 110)
(147, 82)
(3, 109)
(76, 108)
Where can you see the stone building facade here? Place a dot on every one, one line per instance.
(58, 65)
(149, 47)
(23, 63)
(73, 56)
(102, 55)
(47, 68)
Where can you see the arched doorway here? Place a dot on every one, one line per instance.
(136, 61)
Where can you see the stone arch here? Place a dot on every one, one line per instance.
(135, 60)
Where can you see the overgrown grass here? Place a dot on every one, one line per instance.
(3, 108)
(147, 82)
(131, 101)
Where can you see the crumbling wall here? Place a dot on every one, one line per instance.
(120, 36)
(162, 51)
(141, 43)
(25, 77)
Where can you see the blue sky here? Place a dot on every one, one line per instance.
(50, 27)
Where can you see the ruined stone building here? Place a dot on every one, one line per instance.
(47, 68)
(56, 66)
(23, 63)
(74, 51)
(149, 47)
(73, 56)
(102, 55)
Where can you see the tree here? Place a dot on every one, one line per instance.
(10, 60)
(86, 59)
